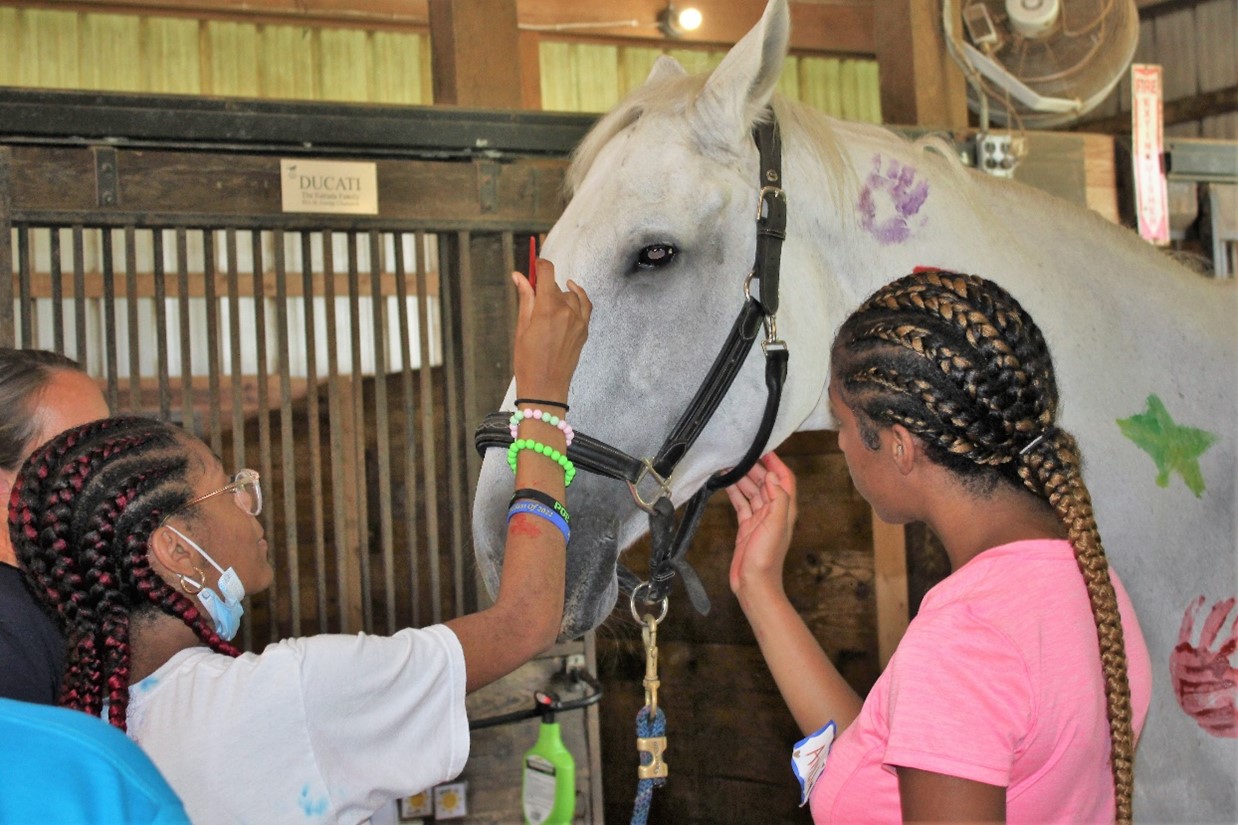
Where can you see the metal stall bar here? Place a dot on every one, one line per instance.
(112, 365)
(131, 305)
(238, 411)
(286, 432)
(7, 338)
(53, 243)
(343, 496)
(358, 434)
(460, 395)
(182, 288)
(411, 543)
(264, 406)
(79, 293)
(212, 339)
(382, 425)
(429, 460)
(314, 434)
(161, 326)
(25, 302)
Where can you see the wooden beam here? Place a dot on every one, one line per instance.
(1151, 9)
(373, 14)
(838, 27)
(476, 54)
(95, 285)
(920, 83)
(1182, 110)
(890, 585)
(530, 70)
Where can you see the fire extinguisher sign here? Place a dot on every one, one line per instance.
(1148, 148)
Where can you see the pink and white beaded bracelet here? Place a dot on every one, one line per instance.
(545, 417)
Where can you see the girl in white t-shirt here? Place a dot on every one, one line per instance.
(135, 537)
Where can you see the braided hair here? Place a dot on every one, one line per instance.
(81, 516)
(958, 362)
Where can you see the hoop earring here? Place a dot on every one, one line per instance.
(187, 582)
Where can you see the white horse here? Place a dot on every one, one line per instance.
(660, 231)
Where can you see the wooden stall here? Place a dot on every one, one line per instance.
(341, 354)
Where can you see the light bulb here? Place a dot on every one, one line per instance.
(674, 23)
(690, 20)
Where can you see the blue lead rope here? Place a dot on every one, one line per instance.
(644, 788)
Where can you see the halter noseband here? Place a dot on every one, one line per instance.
(670, 541)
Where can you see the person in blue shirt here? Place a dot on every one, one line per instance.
(66, 767)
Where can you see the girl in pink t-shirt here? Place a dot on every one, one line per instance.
(1018, 691)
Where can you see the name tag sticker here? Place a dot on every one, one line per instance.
(808, 759)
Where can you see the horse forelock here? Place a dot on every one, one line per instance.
(669, 95)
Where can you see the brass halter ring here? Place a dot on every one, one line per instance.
(635, 597)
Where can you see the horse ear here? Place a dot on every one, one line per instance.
(665, 68)
(742, 85)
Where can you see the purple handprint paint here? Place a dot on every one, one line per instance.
(890, 201)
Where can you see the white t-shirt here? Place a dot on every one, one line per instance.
(319, 729)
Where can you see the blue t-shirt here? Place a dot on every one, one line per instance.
(66, 767)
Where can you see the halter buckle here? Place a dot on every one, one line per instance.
(768, 192)
(664, 487)
(772, 341)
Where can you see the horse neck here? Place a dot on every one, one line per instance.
(825, 163)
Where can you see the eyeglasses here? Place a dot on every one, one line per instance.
(246, 494)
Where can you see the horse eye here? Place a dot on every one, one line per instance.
(655, 256)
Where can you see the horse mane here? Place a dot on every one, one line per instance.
(822, 134)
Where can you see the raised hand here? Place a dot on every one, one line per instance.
(764, 502)
(1204, 680)
(551, 328)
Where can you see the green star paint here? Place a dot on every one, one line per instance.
(1174, 447)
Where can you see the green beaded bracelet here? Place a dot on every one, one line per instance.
(569, 469)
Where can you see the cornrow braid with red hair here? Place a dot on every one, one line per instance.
(82, 512)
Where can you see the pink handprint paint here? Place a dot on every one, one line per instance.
(1204, 677)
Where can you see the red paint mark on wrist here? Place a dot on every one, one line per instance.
(523, 524)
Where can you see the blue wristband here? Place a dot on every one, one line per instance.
(536, 508)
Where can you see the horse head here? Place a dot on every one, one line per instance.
(660, 230)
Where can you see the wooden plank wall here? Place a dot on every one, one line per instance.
(48, 48)
(129, 53)
(590, 77)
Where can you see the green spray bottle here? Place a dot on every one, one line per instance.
(548, 793)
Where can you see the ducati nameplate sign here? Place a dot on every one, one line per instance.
(329, 186)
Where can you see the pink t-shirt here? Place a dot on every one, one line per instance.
(997, 680)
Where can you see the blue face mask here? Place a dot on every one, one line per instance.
(226, 610)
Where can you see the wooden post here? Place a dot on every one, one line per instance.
(890, 578)
(475, 54)
(348, 529)
(530, 70)
(920, 83)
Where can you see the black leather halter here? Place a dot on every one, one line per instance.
(670, 541)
